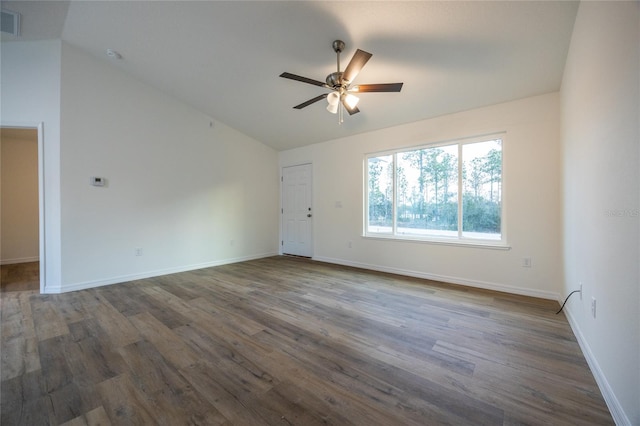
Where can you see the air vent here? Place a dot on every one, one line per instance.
(10, 22)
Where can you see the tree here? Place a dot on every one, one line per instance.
(441, 168)
(380, 203)
(475, 177)
(403, 186)
(433, 176)
(417, 159)
(493, 168)
(482, 213)
(375, 195)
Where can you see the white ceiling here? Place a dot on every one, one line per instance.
(224, 58)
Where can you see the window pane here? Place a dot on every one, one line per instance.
(482, 196)
(427, 197)
(380, 195)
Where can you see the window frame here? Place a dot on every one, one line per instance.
(459, 239)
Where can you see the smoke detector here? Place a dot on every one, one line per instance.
(113, 54)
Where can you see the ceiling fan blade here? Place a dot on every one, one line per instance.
(358, 61)
(351, 111)
(387, 87)
(302, 79)
(311, 101)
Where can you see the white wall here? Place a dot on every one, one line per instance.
(531, 195)
(30, 94)
(19, 240)
(601, 192)
(188, 194)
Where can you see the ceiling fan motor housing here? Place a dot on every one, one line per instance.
(335, 80)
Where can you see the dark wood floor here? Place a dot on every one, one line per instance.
(20, 277)
(284, 341)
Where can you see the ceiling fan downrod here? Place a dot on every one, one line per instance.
(338, 47)
(334, 80)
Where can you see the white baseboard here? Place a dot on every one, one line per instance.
(617, 412)
(447, 279)
(19, 260)
(150, 274)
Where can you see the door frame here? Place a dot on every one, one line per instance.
(39, 126)
(282, 167)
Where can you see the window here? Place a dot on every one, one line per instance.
(445, 192)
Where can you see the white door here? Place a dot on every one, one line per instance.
(297, 214)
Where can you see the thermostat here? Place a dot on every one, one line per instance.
(98, 181)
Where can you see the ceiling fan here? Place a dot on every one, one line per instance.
(340, 82)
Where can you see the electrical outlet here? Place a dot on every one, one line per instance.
(349, 244)
(580, 291)
(593, 307)
(526, 262)
(138, 251)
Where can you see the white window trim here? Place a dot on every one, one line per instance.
(431, 239)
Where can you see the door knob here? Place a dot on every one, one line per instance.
(309, 215)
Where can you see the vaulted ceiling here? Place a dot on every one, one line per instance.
(225, 58)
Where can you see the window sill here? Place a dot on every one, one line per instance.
(485, 244)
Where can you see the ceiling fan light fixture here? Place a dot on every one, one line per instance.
(333, 98)
(351, 100)
(333, 108)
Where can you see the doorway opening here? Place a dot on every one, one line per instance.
(22, 217)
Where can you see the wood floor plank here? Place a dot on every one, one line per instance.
(342, 402)
(205, 378)
(117, 327)
(48, 321)
(287, 403)
(166, 389)
(124, 404)
(223, 316)
(54, 366)
(92, 359)
(124, 298)
(15, 315)
(19, 356)
(67, 403)
(34, 411)
(72, 308)
(238, 374)
(78, 421)
(167, 343)
(166, 298)
(284, 340)
(21, 390)
(96, 417)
